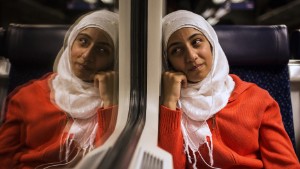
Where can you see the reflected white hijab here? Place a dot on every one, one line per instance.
(202, 100)
(79, 99)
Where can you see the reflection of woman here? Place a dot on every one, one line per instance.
(59, 118)
(208, 118)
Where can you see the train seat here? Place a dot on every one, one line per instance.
(295, 44)
(32, 49)
(260, 54)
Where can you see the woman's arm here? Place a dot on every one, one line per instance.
(170, 136)
(11, 135)
(275, 145)
(107, 118)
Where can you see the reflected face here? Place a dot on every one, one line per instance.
(92, 51)
(190, 52)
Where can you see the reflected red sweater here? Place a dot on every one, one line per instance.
(33, 128)
(247, 133)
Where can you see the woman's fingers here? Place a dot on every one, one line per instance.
(106, 82)
(172, 83)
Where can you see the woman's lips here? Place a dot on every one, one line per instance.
(83, 66)
(195, 67)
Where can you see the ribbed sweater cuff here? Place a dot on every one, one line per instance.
(169, 120)
(105, 116)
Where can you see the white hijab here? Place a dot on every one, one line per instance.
(202, 100)
(79, 99)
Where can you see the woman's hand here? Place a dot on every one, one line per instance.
(107, 83)
(172, 82)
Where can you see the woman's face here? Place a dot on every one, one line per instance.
(190, 52)
(91, 52)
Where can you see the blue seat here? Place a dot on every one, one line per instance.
(32, 50)
(260, 54)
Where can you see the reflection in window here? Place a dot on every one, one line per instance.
(55, 119)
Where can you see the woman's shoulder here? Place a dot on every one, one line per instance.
(33, 85)
(247, 88)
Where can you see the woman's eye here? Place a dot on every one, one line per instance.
(83, 41)
(101, 50)
(176, 51)
(197, 42)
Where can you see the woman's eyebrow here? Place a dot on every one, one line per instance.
(196, 34)
(84, 34)
(190, 38)
(98, 43)
(104, 43)
(173, 44)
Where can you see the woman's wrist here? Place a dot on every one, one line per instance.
(110, 102)
(170, 104)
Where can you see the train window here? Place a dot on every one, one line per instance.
(66, 100)
(117, 74)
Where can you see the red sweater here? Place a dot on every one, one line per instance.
(247, 133)
(33, 128)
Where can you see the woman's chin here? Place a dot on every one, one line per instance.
(85, 78)
(193, 81)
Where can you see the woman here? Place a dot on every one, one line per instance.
(208, 118)
(54, 121)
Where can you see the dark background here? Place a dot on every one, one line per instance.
(247, 12)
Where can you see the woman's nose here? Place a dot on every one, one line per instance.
(191, 54)
(87, 54)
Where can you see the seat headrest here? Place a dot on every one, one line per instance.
(2, 37)
(246, 45)
(34, 45)
(295, 44)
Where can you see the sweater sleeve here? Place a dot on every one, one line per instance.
(11, 135)
(170, 136)
(275, 145)
(107, 118)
